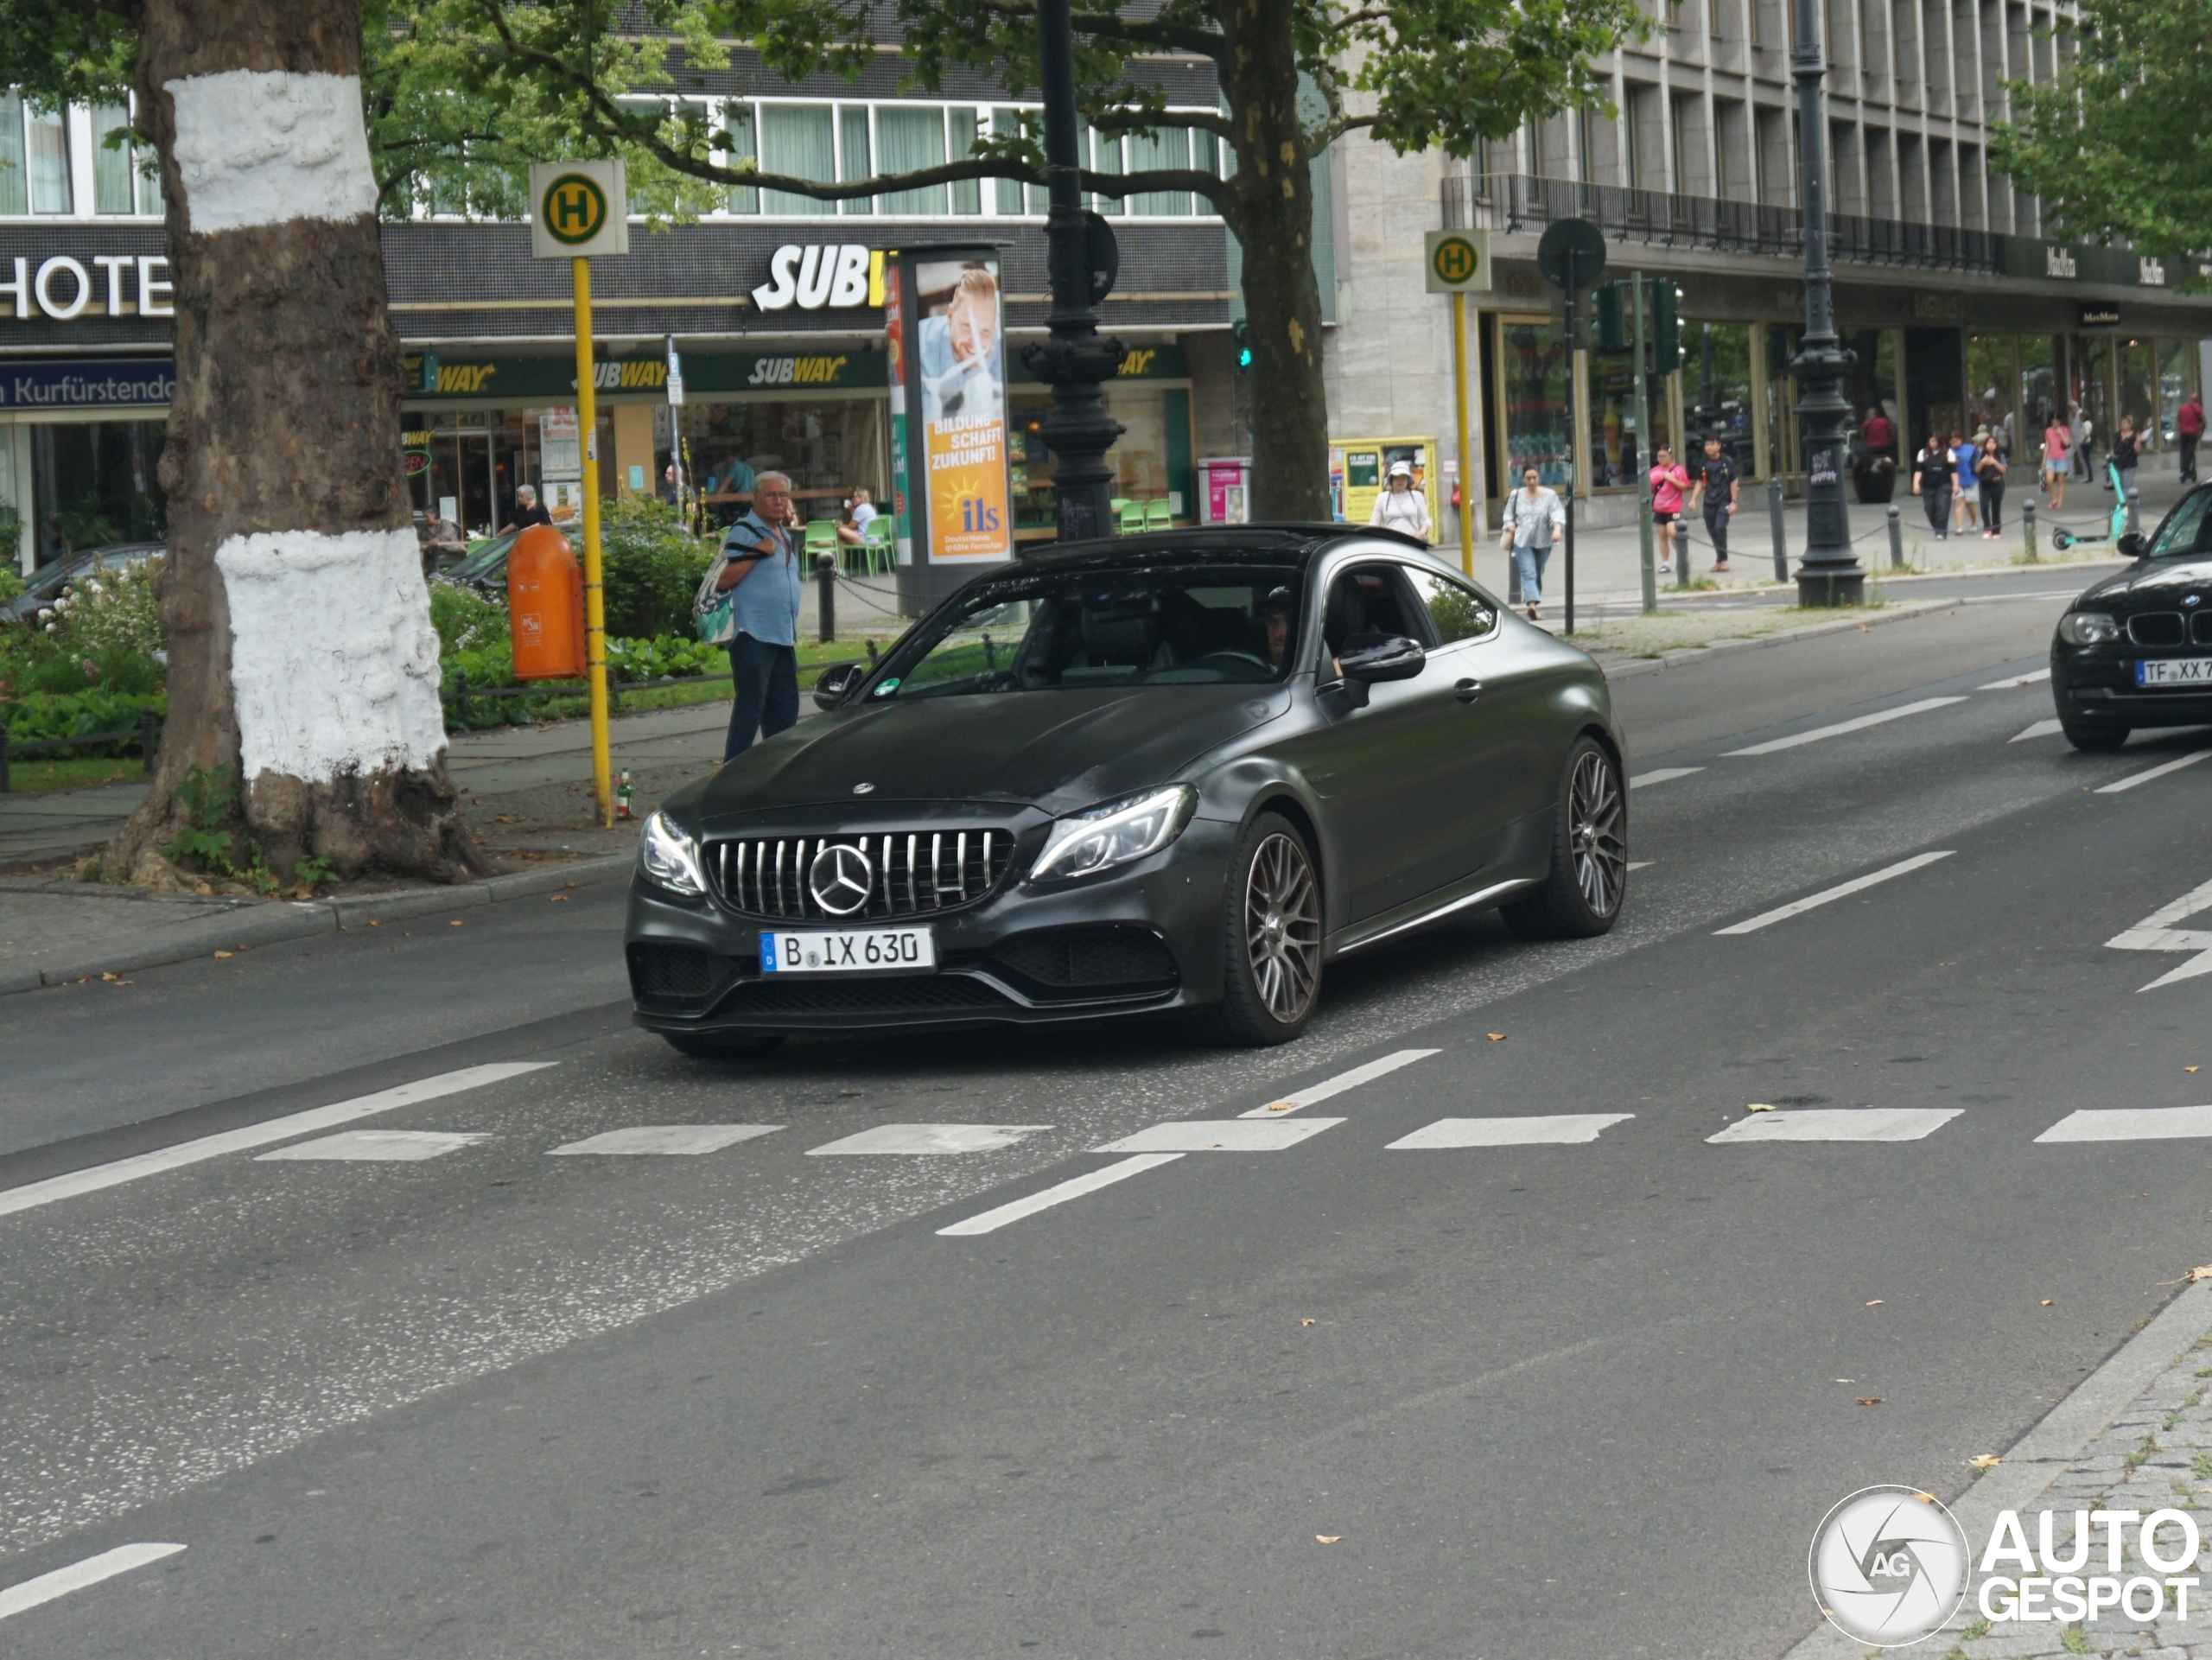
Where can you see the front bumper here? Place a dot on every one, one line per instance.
(2095, 685)
(1136, 942)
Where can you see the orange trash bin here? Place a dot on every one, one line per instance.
(545, 605)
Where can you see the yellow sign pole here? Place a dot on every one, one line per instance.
(595, 594)
(1469, 506)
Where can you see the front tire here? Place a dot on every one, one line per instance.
(1581, 895)
(702, 1046)
(2095, 740)
(1271, 971)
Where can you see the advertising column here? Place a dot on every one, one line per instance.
(949, 369)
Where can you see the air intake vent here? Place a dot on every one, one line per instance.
(2158, 629)
(677, 975)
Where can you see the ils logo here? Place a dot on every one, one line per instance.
(1889, 1566)
(977, 516)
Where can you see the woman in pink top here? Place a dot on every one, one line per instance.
(2057, 460)
(1668, 483)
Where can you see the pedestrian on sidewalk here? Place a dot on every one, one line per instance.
(1932, 478)
(1668, 483)
(1533, 514)
(1716, 493)
(1989, 472)
(2085, 446)
(2057, 460)
(2123, 455)
(1401, 507)
(1878, 432)
(1965, 487)
(527, 511)
(2188, 425)
(759, 559)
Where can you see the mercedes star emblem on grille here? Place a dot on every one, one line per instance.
(840, 879)
(863, 789)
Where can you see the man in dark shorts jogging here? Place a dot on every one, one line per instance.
(1716, 493)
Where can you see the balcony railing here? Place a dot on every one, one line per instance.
(1516, 201)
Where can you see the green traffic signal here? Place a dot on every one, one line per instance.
(1241, 334)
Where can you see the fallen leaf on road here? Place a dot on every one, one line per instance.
(2196, 1273)
(1306, 1322)
(501, 818)
(1760, 1106)
(1862, 627)
(568, 884)
(373, 923)
(1279, 1106)
(107, 976)
(2047, 1301)
(1986, 1461)
(557, 898)
(222, 953)
(453, 925)
(2188, 1069)
(1877, 1303)
(1326, 1538)
(1495, 1036)
(1870, 1399)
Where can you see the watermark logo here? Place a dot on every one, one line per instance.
(1889, 1566)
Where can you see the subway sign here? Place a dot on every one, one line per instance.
(528, 380)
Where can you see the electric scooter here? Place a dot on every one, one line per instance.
(2062, 538)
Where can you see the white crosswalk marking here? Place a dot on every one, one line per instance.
(1661, 775)
(1220, 1135)
(925, 1139)
(2133, 1124)
(1561, 1129)
(2040, 729)
(674, 1139)
(1798, 907)
(2127, 784)
(17, 1599)
(2028, 679)
(1313, 1094)
(1839, 1124)
(376, 1147)
(1860, 724)
(1059, 1193)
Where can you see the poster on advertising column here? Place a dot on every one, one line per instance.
(960, 369)
(894, 352)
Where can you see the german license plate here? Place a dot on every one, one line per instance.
(2175, 672)
(858, 951)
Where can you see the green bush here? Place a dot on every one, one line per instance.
(660, 657)
(464, 619)
(76, 715)
(109, 612)
(652, 566)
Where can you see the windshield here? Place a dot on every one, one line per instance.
(2188, 528)
(1178, 624)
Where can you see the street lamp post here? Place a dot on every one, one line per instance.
(1079, 261)
(1829, 573)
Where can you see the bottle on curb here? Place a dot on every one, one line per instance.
(622, 796)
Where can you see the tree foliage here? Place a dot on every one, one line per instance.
(2120, 146)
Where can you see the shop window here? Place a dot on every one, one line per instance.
(910, 137)
(1532, 385)
(1992, 390)
(1718, 373)
(855, 155)
(15, 178)
(2177, 368)
(1169, 148)
(797, 140)
(2095, 393)
(119, 181)
(967, 193)
(2038, 390)
(827, 447)
(47, 143)
(739, 148)
(96, 483)
(2138, 395)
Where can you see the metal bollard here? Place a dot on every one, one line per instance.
(1774, 518)
(2028, 526)
(2134, 518)
(825, 578)
(1897, 540)
(461, 700)
(149, 740)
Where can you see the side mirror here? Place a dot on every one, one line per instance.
(2131, 545)
(832, 683)
(1397, 658)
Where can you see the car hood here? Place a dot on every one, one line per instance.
(2155, 582)
(1059, 751)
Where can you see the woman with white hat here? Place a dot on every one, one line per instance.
(1401, 507)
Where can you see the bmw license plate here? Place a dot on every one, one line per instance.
(2175, 672)
(857, 950)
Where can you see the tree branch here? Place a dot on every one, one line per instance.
(1140, 121)
(1202, 43)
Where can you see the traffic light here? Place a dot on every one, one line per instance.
(1614, 333)
(1667, 327)
(1240, 332)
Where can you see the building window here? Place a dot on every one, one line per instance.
(910, 137)
(737, 129)
(46, 148)
(15, 188)
(856, 155)
(119, 182)
(967, 193)
(797, 140)
(1167, 150)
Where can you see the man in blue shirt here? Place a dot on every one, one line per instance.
(762, 565)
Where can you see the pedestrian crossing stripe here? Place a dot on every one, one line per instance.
(1839, 1124)
(926, 1139)
(2131, 1124)
(663, 1139)
(1220, 1135)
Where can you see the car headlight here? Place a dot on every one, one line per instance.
(669, 857)
(1114, 833)
(2087, 628)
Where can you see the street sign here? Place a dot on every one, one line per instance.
(1572, 253)
(578, 208)
(1457, 262)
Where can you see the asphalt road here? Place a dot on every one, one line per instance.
(1584, 1396)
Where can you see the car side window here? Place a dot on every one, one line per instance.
(2188, 528)
(1369, 604)
(1456, 610)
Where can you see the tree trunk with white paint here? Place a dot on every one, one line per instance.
(302, 663)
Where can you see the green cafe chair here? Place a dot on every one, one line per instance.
(821, 538)
(877, 542)
(1156, 516)
(1132, 518)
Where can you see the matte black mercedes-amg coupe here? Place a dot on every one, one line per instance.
(1179, 772)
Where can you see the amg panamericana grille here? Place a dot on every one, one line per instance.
(911, 873)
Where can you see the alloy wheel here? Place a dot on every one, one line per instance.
(1595, 829)
(1282, 927)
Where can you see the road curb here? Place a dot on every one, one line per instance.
(1628, 668)
(302, 920)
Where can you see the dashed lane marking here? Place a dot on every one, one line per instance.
(17, 1599)
(1839, 1124)
(1640, 864)
(1561, 1129)
(675, 1139)
(2029, 679)
(1059, 1193)
(2133, 1124)
(1220, 1135)
(376, 1147)
(2040, 729)
(1313, 1094)
(1798, 907)
(910, 1140)
(35, 1193)
(2174, 765)
(1774, 745)
(2156, 932)
(1661, 775)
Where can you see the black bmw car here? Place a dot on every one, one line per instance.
(1173, 772)
(2135, 650)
